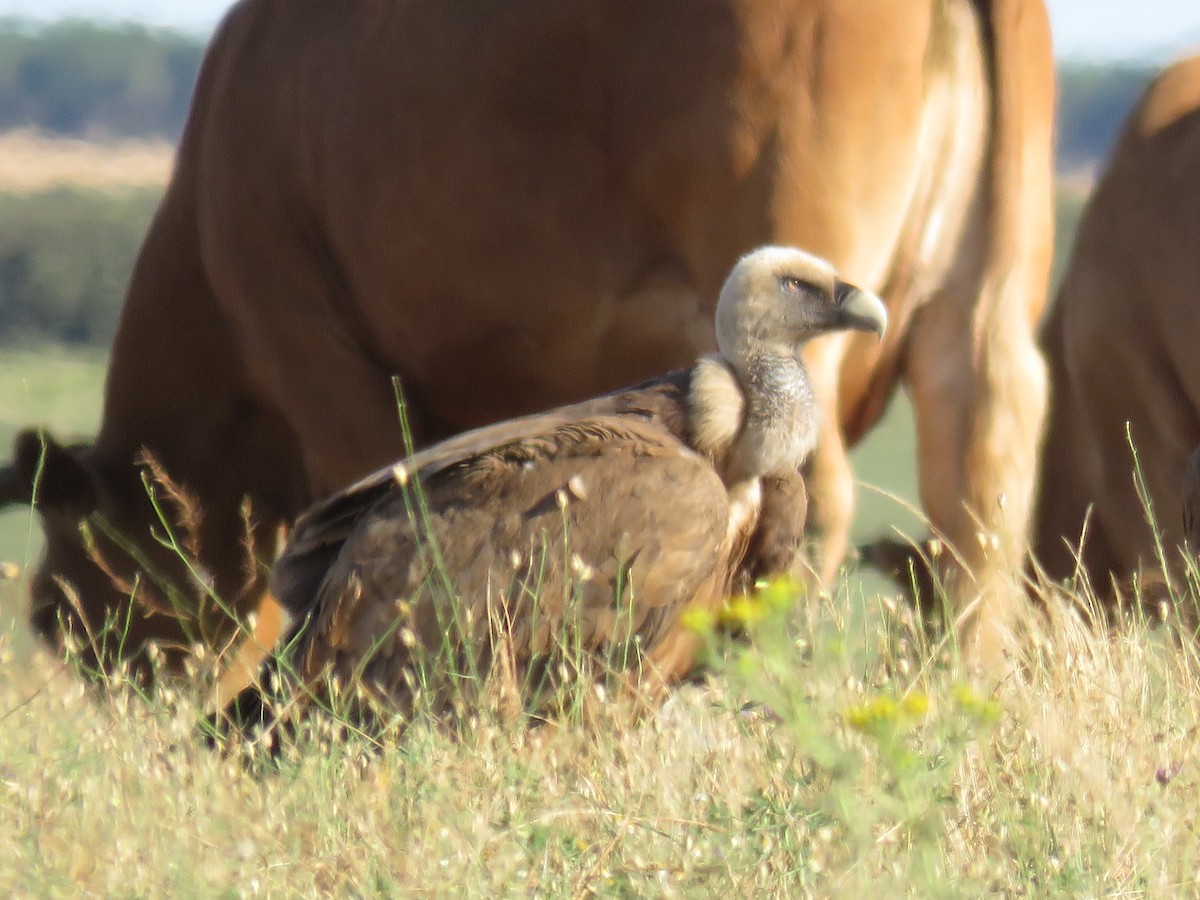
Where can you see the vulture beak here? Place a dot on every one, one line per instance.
(859, 309)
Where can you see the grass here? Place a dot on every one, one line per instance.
(876, 768)
(866, 762)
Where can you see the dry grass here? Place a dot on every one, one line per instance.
(31, 162)
(877, 770)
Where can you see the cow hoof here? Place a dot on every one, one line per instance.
(912, 567)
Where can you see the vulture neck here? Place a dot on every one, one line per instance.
(753, 416)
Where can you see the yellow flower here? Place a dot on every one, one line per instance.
(740, 612)
(915, 705)
(770, 598)
(698, 621)
(970, 703)
(871, 714)
(780, 594)
(885, 713)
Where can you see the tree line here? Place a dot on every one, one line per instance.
(1093, 101)
(82, 79)
(65, 258)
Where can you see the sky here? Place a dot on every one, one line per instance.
(1144, 29)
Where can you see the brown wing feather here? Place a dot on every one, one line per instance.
(318, 535)
(776, 545)
(604, 529)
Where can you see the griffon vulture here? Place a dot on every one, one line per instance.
(578, 536)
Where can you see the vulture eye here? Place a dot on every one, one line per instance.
(794, 285)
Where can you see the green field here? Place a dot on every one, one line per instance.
(52, 387)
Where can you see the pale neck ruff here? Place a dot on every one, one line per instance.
(779, 426)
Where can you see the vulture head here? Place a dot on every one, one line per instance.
(774, 301)
(777, 298)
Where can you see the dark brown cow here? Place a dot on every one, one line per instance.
(511, 205)
(1121, 345)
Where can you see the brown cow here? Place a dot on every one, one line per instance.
(514, 205)
(1120, 341)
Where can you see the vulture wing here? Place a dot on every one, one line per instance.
(776, 544)
(583, 544)
(318, 535)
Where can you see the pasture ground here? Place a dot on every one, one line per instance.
(877, 766)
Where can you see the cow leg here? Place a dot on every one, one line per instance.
(1163, 428)
(978, 389)
(830, 477)
(1068, 481)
